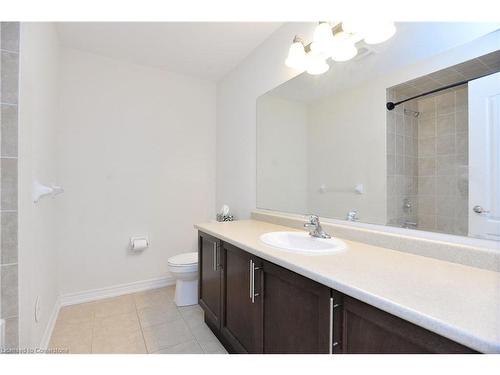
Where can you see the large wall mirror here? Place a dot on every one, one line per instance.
(328, 144)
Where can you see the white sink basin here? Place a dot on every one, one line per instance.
(302, 242)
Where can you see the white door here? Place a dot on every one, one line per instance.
(484, 157)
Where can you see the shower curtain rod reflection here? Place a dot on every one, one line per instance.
(391, 105)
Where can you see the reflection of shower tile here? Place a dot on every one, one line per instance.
(462, 143)
(445, 103)
(391, 186)
(411, 166)
(461, 121)
(411, 185)
(427, 107)
(462, 208)
(427, 128)
(445, 224)
(447, 186)
(391, 126)
(427, 166)
(426, 205)
(391, 143)
(462, 160)
(400, 165)
(427, 222)
(427, 147)
(446, 124)
(408, 126)
(463, 186)
(445, 165)
(409, 151)
(461, 226)
(426, 185)
(399, 145)
(391, 208)
(445, 144)
(461, 99)
(400, 124)
(414, 125)
(445, 205)
(391, 165)
(472, 68)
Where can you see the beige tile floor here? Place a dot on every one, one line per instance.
(145, 322)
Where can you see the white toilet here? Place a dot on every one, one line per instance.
(184, 267)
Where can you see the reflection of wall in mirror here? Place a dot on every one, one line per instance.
(281, 155)
(345, 144)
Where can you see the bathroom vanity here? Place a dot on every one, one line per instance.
(259, 299)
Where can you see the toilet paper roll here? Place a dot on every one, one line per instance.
(139, 244)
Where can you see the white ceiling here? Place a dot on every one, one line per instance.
(207, 50)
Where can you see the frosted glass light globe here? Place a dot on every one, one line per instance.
(296, 56)
(322, 39)
(342, 50)
(316, 64)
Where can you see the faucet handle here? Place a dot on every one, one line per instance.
(313, 219)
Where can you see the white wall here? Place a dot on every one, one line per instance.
(261, 71)
(136, 153)
(264, 69)
(282, 160)
(39, 94)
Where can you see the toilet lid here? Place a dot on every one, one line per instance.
(184, 259)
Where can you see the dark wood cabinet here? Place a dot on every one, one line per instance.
(297, 315)
(368, 330)
(210, 277)
(241, 323)
(255, 306)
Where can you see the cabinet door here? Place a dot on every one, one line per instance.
(209, 280)
(368, 330)
(296, 313)
(241, 324)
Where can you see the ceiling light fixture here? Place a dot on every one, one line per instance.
(316, 64)
(296, 55)
(322, 39)
(337, 42)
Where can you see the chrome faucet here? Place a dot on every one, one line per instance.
(316, 229)
(352, 215)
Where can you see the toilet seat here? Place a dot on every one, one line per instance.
(187, 260)
(183, 269)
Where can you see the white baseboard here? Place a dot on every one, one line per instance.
(114, 291)
(44, 344)
(97, 294)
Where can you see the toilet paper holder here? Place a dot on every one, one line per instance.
(139, 243)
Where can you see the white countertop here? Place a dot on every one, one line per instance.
(459, 302)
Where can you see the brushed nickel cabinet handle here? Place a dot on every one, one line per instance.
(330, 341)
(253, 282)
(214, 265)
(251, 278)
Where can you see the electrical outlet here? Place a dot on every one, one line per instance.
(37, 309)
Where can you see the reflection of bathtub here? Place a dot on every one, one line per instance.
(409, 224)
